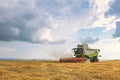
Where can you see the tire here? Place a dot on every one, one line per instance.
(94, 59)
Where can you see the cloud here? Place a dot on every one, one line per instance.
(109, 48)
(22, 20)
(62, 8)
(114, 8)
(26, 21)
(52, 22)
(98, 18)
(89, 39)
(7, 50)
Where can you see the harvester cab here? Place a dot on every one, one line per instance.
(83, 53)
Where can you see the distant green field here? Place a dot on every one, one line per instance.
(51, 70)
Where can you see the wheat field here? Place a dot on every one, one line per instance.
(50, 70)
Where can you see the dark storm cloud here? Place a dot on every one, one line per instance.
(17, 22)
(20, 20)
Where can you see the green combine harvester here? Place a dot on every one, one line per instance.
(83, 53)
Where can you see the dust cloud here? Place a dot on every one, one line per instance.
(61, 53)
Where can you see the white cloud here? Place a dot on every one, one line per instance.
(4, 50)
(98, 19)
(109, 48)
(108, 23)
(44, 34)
(65, 9)
(100, 7)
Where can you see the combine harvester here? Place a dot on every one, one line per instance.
(83, 53)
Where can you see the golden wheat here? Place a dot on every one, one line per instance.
(43, 70)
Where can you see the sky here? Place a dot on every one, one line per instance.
(45, 29)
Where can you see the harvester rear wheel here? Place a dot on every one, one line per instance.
(94, 59)
(91, 60)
